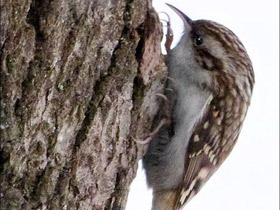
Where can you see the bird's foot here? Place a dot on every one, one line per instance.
(152, 134)
(169, 33)
(164, 121)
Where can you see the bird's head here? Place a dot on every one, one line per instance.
(211, 56)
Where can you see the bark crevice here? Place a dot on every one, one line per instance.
(78, 80)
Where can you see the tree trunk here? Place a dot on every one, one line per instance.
(78, 81)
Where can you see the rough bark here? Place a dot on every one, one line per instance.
(78, 80)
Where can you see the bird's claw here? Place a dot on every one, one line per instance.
(145, 141)
(162, 96)
(152, 134)
(169, 34)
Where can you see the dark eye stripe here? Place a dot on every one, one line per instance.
(208, 61)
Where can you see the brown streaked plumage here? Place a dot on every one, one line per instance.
(224, 115)
(215, 79)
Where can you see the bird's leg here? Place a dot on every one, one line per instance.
(152, 134)
(166, 118)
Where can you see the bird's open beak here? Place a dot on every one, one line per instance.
(187, 21)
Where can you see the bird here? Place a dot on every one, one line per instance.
(208, 92)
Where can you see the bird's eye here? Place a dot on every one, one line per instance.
(198, 41)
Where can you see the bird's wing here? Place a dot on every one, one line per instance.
(210, 143)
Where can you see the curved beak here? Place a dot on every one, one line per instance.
(187, 21)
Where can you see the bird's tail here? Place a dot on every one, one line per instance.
(164, 199)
